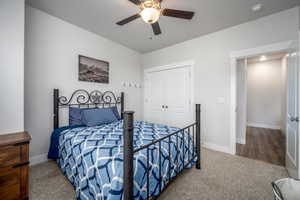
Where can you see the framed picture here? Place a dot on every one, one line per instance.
(93, 70)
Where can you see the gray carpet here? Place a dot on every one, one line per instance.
(223, 177)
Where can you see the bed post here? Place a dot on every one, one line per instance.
(128, 155)
(122, 105)
(198, 135)
(55, 108)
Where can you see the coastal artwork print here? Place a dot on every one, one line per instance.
(93, 70)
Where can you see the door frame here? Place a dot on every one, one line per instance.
(243, 112)
(234, 56)
(188, 63)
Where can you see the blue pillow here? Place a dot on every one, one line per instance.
(96, 117)
(75, 116)
(116, 112)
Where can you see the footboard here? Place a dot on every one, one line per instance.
(190, 139)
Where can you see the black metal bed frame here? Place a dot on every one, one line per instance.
(96, 98)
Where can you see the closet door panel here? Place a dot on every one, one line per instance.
(177, 96)
(154, 84)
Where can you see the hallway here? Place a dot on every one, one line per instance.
(263, 144)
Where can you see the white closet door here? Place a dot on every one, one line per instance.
(168, 98)
(177, 97)
(154, 84)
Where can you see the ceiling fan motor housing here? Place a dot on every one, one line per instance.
(150, 4)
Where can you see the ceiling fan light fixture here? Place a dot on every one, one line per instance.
(150, 15)
(150, 11)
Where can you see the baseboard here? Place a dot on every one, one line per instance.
(216, 147)
(262, 125)
(241, 140)
(34, 160)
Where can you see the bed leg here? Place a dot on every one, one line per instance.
(128, 154)
(198, 135)
(55, 108)
(122, 105)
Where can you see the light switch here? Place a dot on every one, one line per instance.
(221, 100)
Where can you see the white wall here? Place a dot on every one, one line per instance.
(51, 61)
(12, 65)
(264, 94)
(212, 66)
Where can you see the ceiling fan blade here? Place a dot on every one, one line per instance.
(156, 28)
(129, 19)
(137, 2)
(178, 13)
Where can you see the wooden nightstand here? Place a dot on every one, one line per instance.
(14, 165)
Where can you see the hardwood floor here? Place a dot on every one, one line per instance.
(263, 144)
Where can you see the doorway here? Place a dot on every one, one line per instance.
(262, 107)
(292, 113)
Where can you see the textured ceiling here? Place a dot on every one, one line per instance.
(100, 16)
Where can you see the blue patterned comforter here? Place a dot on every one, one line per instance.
(92, 159)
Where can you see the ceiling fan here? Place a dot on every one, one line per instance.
(151, 11)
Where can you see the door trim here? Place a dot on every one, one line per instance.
(188, 63)
(170, 66)
(234, 56)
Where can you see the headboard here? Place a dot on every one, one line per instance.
(83, 98)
